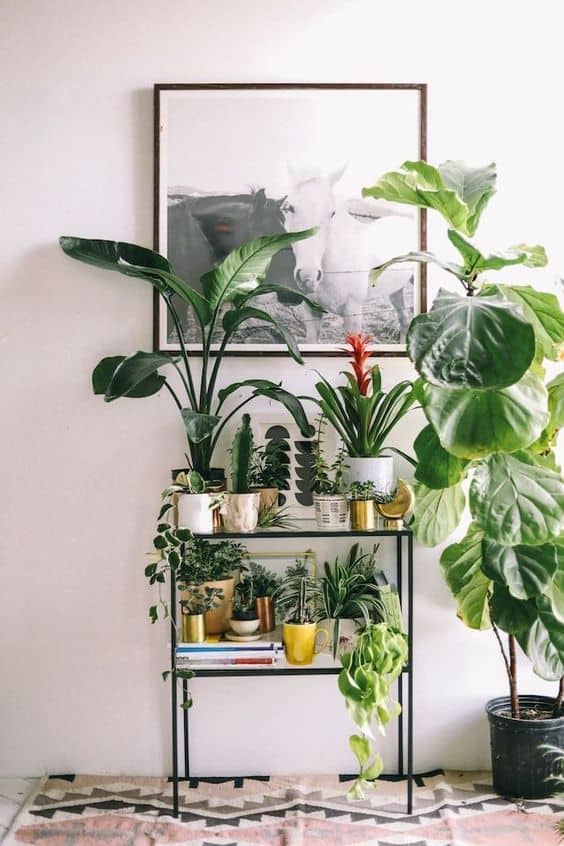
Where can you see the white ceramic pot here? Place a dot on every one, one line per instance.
(331, 512)
(195, 513)
(378, 470)
(347, 629)
(244, 627)
(240, 511)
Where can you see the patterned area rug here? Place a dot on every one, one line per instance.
(451, 809)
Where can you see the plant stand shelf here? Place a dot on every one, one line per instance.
(324, 664)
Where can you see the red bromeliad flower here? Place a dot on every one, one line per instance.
(358, 347)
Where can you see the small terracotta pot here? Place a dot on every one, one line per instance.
(265, 611)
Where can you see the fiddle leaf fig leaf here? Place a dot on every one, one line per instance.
(476, 263)
(461, 564)
(243, 269)
(473, 423)
(421, 257)
(547, 439)
(437, 513)
(436, 468)
(527, 571)
(517, 500)
(471, 342)
(198, 426)
(543, 311)
(456, 191)
(137, 375)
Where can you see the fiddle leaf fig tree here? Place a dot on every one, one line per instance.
(226, 303)
(492, 423)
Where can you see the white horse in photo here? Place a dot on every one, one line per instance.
(334, 264)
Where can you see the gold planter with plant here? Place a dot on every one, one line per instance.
(197, 601)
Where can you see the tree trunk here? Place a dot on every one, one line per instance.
(515, 711)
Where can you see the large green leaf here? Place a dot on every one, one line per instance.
(515, 500)
(135, 376)
(421, 257)
(543, 311)
(473, 424)
(539, 633)
(437, 513)
(290, 295)
(557, 587)
(244, 268)
(471, 342)
(548, 437)
(132, 260)
(273, 391)
(461, 564)
(476, 263)
(527, 571)
(234, 318)
(103, 374)
(198, 426)
(436, 468)
(458, 192)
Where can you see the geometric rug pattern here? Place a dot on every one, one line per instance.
(450, 809)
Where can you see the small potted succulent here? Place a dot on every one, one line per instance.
(364, 415)
(265, 584)
(348, 597)
(197, 601)
(364, 497)
(240, 509)
(195, 502)
(270, 472)
(328, 489)
(244, 619)
(296, 600)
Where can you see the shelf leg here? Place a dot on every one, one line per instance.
(399, 584)
(186, 729)
(410, 674)
(174, 695)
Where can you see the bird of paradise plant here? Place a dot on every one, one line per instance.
(360, 411)
(229, 292)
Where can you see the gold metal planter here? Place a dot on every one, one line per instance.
(193, 628)
(363, 515)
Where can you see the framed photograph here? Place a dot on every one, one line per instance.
(235, 162)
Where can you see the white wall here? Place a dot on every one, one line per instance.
(80, 664)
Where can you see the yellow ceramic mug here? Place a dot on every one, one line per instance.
(300, 642)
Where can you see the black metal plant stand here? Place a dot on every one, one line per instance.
(403, 537)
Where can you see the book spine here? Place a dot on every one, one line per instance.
(205, 663)
(214, 647)
(218, 656)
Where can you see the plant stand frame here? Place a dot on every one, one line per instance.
(404, 537)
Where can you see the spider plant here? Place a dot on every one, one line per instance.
(360, 411)
(227, 301)
(296, 597)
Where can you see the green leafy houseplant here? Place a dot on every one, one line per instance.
(365, 491)
(265, 581)
(370, 668)
(199, 600)
(244, 598)
(270, 466)
(492, 424)
(227, 301)
(296, 596)
(241, 457)
(360, 411)
(328, 479)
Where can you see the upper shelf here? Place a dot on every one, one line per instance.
(308, 529)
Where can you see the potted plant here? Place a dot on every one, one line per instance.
(211, 565)
(348, 597)
(227, 301)
(492, 427)
(329, 500)
(364, 416)
(364, 497)
(265, 585)
(296, 599)
(244, 617)
(197, 602)
(270, 472)
(195, 501)
(370, 668)
(240, 509)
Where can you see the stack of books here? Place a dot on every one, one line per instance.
(390, 601)
(216, 654)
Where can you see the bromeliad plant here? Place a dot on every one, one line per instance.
(361, 412)
(492, 423)
(370, 668)
(227, 301)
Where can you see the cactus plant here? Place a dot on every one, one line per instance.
(241, 456)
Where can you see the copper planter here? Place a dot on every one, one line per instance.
(265, 613)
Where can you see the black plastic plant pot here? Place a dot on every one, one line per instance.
(522, 768)
(215, 474)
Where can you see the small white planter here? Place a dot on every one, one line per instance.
(378, 470)
(331, 512)
(240, 511)
(347, 633)
(195, 512)
(244, 627)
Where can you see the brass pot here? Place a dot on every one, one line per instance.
(265, 613)
(363, 515)
(193, 628)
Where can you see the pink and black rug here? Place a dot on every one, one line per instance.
(451, 809)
